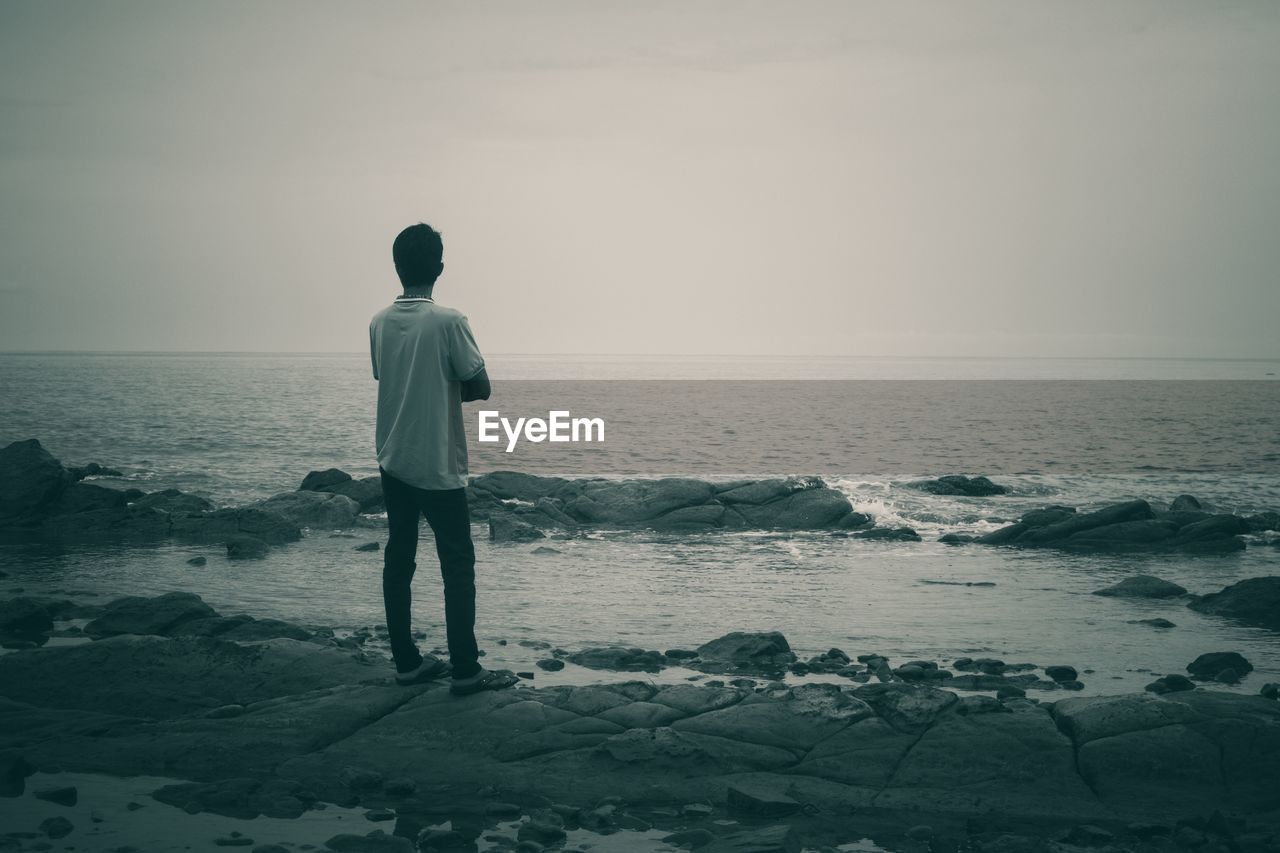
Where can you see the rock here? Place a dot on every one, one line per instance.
(1144, 534)
(1263, 521)
(244, 798)
(366, 492)
(235, 839)
(767, 650)
(312, 509)
(680, 654)
(30, 479)
(175, 502)
(221, 524)
(907, 707)
(197, 561)
(1047, 515)
(545, 550)
(159, 615)
(1086, 835)
(369, 547)
(889, 534)
(1073, 523)
(1143, 586)
(1173, 683)
(771, 839)
(619, 658)
(920, 832)
(317, 480)
(690, 838)
(375, 842)
(956, 538)
(65, 795)
(24, 618)
(1158, 622)
(550, 664)
(400, 787)
(1255, 601)
(1270, 690)
(508, 528)
(1185, 503)
(92, 469)
(757, 799)
(243, 547)
(1061, 673)
(14, 770)
(56, 827)
(86, 497)
(1210, 664)
(955, 484)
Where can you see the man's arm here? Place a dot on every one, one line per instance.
(477, 387)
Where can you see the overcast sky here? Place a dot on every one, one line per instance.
(949, 178)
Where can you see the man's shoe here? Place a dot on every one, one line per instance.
(430, 669)
(483, 680)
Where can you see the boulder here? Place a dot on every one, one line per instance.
(243, 798)
(92, 469)
(690, 519)
(956, 484)
(82, 497)
(1115, 514)
(508, 528)
(1255, 601)
(1173, 683)
(138, 615)
(1126, 535)
(907, 707)
(110, 524)
(765, 650)
(30, 479)
(1262, 521)
(760, 799)
(24, 618)
(1185, 503)
(220, 525)
(1143, 586)
(244, 547)
(175, 502)
(1047, 515)
(318, 480)
(312, 509)
(366, 491)
(889, 534)
(619, 659)
(1212, 664)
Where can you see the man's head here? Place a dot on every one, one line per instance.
(417, 253)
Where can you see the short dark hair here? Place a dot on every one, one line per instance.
(417, 253)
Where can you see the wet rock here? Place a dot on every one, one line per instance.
(1158, 622)
(160, 615)
(312, 509)
(317, 480)
(220, 525)
(543, 826)
(235, 839)
(243, 798)
(1211, 664)
(508, 528)
(550, 664)
(14, 770)
(1263, 521)
(545, 550)
(242, 547)
(1255, 601)
(86, 497)
(92, 469)
(689, 838)
(1047, 515)
(365, 491)
(197, 561)
(681, 654)
(619, 658)
(375, 842)
(760, 799)
(956, 538)
(1143, 586)
(955, 484)
(1086, 835)
(889, 534)
(1270, 690)
(369, 547)
(64, 795)
(24, 618)
(907, 707)
(30, 479)
(1172, 683)
(175, 502)
(1061, 673)
(56, 827)
(766, 650)
(772, 839)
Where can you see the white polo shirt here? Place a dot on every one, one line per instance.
(421, 352)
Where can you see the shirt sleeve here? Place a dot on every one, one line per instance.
(373, 347)
(465, 360)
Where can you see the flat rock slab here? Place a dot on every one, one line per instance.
(157, 677)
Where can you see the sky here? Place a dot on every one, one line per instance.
(804, 178)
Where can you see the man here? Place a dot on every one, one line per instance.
(427, 364)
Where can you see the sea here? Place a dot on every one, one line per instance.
(239, 427)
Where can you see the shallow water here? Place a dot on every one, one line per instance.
(241, 427)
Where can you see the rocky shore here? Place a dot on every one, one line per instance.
(262, 717)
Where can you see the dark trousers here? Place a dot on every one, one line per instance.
(447, 513)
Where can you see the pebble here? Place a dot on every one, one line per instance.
(550, 664)
(197, 561)
(528, 676)
(379, 815)
(369, 546)
(1061, 673)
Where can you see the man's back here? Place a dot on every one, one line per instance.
(421, 352)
